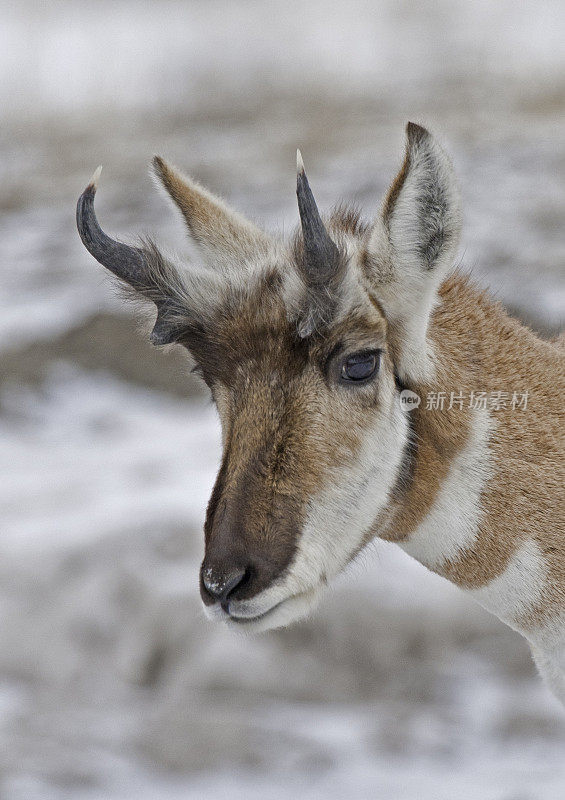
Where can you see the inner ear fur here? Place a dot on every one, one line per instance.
(421, 212)
(413, 244)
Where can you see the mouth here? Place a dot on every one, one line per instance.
(282, 613)
(257, 617)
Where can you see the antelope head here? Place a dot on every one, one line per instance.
(305, 346)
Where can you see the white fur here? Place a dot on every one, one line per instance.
(519, 588)
(345, 510)
(414, 353)
(407, 285)
(339, 517)
(550, 638)
(451, 525)
(552, 668)
(548, 648)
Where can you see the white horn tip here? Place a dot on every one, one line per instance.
(95, 178)
(299, 162)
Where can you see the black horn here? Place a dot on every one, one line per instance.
(124, 261)
(321, 255)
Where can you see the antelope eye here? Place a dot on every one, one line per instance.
(359, 367)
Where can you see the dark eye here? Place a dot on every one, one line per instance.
(360, 367)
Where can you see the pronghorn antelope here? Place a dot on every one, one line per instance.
(313, 350)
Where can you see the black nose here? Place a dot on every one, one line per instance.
(221, 584)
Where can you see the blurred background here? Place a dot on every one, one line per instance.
(112, 683)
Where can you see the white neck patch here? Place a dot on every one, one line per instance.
(451, 526)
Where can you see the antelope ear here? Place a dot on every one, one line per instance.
(413, 244)
(222, 235)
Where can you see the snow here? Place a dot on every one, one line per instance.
(112, 682)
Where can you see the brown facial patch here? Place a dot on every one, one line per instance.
(415, 134)
(395, 189)
(287, 423)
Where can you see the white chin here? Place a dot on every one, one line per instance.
(282, 614)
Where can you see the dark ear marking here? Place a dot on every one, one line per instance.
(395, 189)
(415, 135)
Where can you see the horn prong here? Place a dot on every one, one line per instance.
(95, 177)
(321, 256)
(124, 261)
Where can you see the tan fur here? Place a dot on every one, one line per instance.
(479, 347)
(212, 224)
(315, 465)
(475, 346)
(525, 499)
(282, 433)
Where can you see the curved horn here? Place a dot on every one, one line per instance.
(321, 255)
(124, 261)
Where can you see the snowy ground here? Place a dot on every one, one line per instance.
(113, 685)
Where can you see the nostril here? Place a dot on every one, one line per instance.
(235, 580)
(220, 585)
